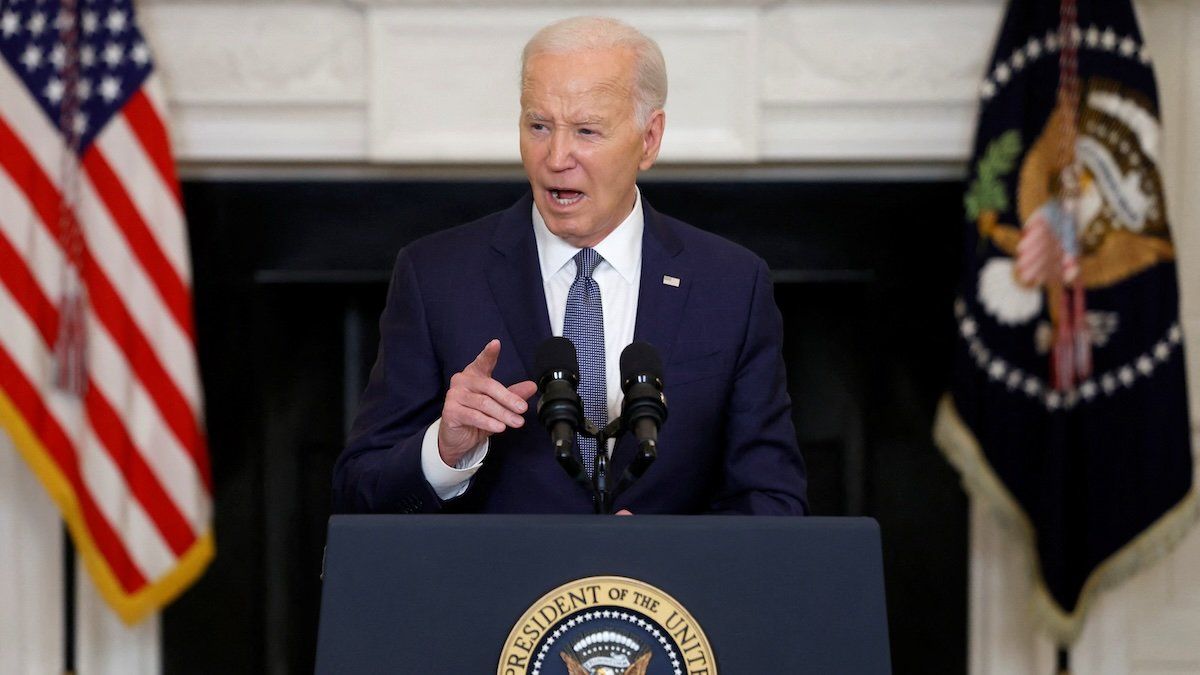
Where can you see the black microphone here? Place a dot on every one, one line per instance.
(645, 408)
(559, 408)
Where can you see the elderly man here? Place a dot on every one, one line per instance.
(444, 426)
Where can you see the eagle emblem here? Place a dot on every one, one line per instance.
(1090, 204)
(606, 625)
(606, 652)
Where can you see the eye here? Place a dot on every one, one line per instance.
(537, 126)
(588, 132)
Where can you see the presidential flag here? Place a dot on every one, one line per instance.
(99, 389)
(1068, 406)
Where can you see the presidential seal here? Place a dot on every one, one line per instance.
(606, 626)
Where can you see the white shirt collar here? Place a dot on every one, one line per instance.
(622, 248)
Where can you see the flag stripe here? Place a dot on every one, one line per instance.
(141, 539)
(142, 481)
(42, 151)
(175, 409)
(171, 464)
(30, 406)
(138, 477)
(173, 348)
(29, 245)
(22, 285)
(168, 284)
(148, 126)
(107, 490)
(29, 126)
(26, 173)
(150, 197)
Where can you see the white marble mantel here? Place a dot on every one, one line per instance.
(398, 82)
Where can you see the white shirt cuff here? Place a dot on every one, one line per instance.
(448, 482)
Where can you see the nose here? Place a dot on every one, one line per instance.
(561, 152)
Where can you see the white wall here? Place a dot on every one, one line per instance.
(31, 597)
(31, 592)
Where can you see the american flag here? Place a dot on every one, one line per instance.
(92, 235)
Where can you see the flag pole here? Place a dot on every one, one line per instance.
(68, 579)
(1064, 661)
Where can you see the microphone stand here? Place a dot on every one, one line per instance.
(603, 492)
(601, 499)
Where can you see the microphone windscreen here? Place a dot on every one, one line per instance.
(556, 353)
(640, 358)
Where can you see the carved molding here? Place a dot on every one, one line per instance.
(400, 82)
(876, 52)
(258, 54)
(268, 132)
(868, 131)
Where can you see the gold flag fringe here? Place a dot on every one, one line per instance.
(131, 607)
(962, 450)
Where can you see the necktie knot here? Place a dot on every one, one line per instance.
(585, 263)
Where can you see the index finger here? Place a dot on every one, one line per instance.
(485, 363)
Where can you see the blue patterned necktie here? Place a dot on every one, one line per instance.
(584, 326)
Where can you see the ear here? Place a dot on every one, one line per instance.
(652, 139)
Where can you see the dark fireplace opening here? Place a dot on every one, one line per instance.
(290, 276)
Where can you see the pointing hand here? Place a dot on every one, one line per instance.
(478, 406)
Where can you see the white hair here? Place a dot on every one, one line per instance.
(584, 33)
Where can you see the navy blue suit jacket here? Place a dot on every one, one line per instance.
(728, 445)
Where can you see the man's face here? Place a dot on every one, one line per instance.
(580, 144)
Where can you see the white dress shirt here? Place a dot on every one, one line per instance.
(617, 275)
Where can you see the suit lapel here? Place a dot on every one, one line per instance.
(516, 281)
(660, 303)
(664, 286)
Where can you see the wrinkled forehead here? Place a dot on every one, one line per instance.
(600, 77)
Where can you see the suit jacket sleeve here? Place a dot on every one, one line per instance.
(763, 470)
(380, 469)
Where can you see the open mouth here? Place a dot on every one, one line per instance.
(565, 197)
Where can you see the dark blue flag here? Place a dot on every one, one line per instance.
(1068, 406)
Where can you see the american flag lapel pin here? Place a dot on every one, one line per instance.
(669, 280)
